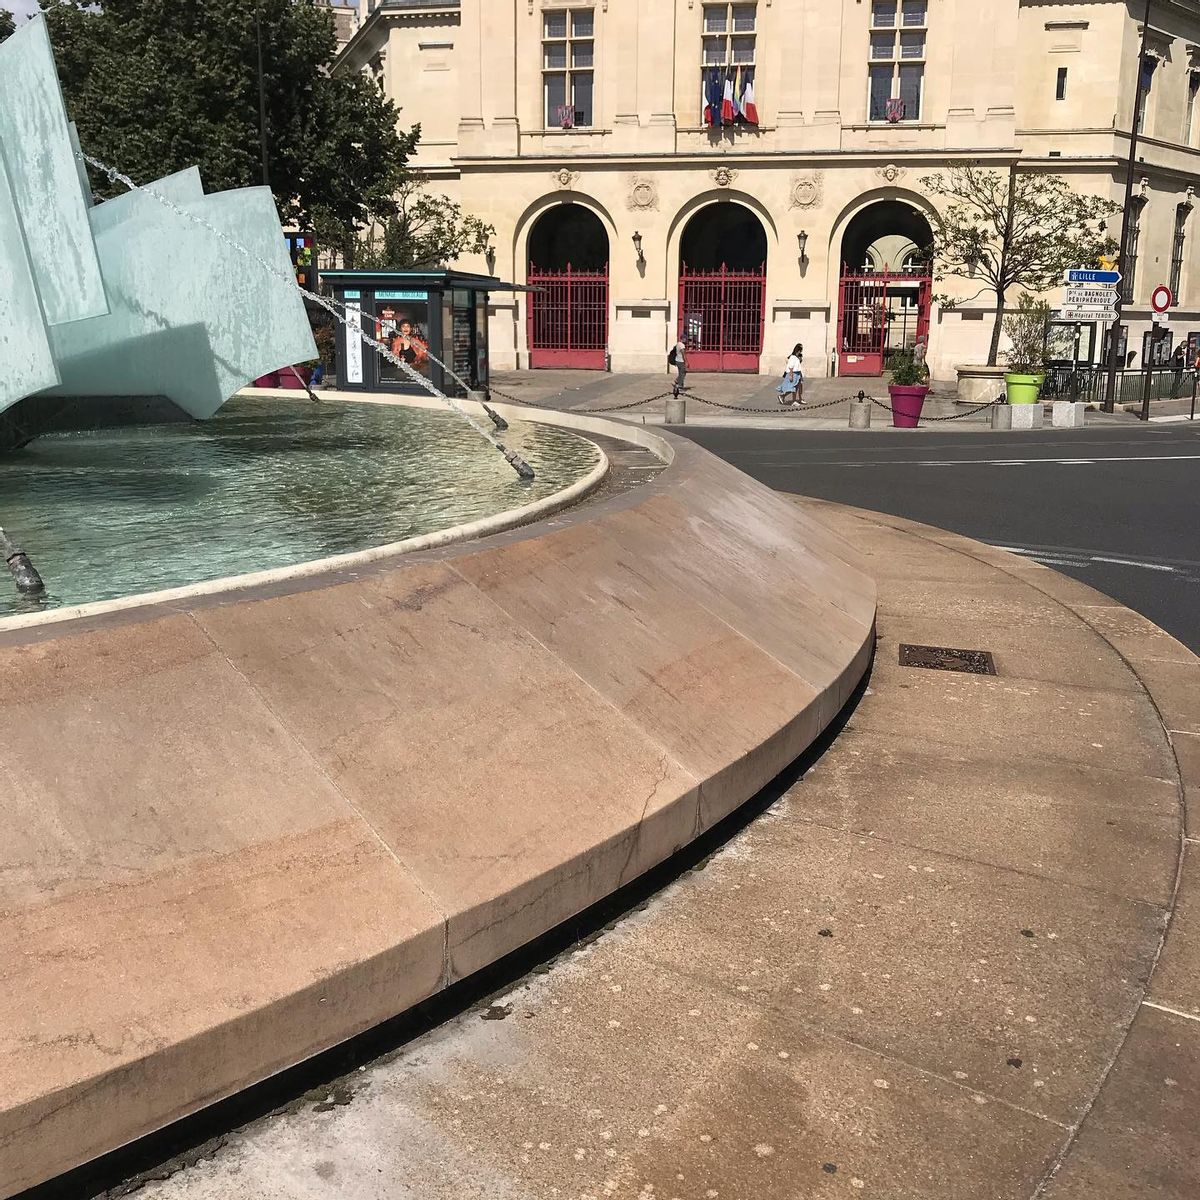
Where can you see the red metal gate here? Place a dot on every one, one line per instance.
(721, 318)
(568, 318)
(878, 316)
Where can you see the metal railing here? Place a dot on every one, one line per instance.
(1090, 384)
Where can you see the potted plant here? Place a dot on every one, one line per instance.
(1026, 356)
(298, 376)
(907, 390)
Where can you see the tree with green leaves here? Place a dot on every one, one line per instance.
(1013, 230)
(159, 85)
(428, 230)
(6, 23)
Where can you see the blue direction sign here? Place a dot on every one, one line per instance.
(1082, 275)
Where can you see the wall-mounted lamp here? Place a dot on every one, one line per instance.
(637, 245)
(802, 242)
(490, 254)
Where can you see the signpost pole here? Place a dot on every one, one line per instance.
(1139, 101)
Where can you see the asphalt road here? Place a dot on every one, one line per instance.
(1116, 507)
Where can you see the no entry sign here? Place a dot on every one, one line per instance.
(1161, 298)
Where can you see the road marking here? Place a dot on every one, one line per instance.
(993, 462)
(1175, 1012)
(1132, 562)
(1081, 560)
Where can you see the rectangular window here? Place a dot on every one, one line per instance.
(730, 41)
(1145, 85)
(1182, 213)
(896, 70)
(1060, 90)
(568, 58)
(883, 14)
(1129, 257)
(1189, 112)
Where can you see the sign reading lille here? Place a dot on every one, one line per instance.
(1081, 275)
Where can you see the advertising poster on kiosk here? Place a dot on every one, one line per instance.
(402, 324)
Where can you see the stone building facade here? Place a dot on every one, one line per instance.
(577, 128)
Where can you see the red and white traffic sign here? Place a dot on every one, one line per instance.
(1161, 298)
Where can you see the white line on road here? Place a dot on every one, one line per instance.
(1132, 562)
(1067, 558)
(1016, 462)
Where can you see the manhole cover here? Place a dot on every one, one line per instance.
(943, 658)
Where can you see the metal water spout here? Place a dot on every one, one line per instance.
(24, 573)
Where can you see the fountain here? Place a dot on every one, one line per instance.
(249, 818)
(88, 305)
(165, 294)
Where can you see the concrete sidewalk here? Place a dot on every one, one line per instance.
(748, 401)
(930, 969)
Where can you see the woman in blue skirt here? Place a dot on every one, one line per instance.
(791, 386)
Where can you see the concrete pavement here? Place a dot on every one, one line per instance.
(934, 966)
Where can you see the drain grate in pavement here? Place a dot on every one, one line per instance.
(942, 658)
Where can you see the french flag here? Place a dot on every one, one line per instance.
(727, 109)
(749, 110)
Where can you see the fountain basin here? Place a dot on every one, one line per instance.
(116, 518)
(245, 826)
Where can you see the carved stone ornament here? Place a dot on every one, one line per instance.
(643, 195)
(723, 176)
(806, 190)
(891, 173)
(566, 179)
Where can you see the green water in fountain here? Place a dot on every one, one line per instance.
(263, 484)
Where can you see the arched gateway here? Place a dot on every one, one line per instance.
(568, 313)
(722, 288)
(885, 292)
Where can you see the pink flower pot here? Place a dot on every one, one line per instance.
(287, 377)
(907, 403)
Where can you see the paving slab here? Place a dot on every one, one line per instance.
(1176, 982)
(1067, 653)
(1119, 833)
(1142, 1140)
(1057, 722)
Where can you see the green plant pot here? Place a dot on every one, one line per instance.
(1023, 389)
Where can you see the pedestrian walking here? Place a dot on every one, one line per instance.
(677, 358)
(1178, 362)
(791, 386)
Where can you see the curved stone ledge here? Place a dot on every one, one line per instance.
(242, 828)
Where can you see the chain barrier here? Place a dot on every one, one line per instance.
(958, 416)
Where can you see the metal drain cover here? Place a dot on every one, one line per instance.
(943, 658)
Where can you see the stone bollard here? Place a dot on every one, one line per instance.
(1068, 414)
(676, 410)
(860, 414)
(1027, 416)
(1002, 416)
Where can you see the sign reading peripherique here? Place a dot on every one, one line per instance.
(1090, 297)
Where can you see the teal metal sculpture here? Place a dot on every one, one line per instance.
(129, 297)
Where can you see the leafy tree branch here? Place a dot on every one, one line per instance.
(1019, 230)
